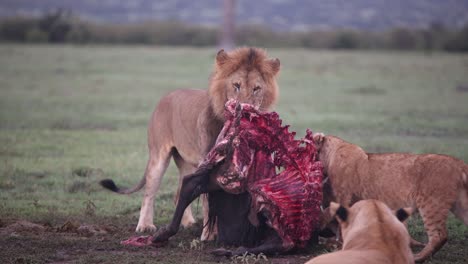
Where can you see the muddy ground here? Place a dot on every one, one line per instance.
(73, 241)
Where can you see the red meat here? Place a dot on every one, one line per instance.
(282, 174)
(254, 153)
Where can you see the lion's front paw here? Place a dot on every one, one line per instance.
(145, 228)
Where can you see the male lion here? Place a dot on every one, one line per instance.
(372, 233)
(434, 184)
(186, 122)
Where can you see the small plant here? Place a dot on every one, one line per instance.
(7, 174)
(249, 258)
(86, 172)
(7, 184)
(182, 245)
(78, 186)
(35, 203)
(90, 208)
(196, 244)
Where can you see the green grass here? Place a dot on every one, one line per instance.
(64, 108)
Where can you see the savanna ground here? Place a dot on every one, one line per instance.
(73, 115)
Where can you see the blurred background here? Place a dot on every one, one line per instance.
(336, 24)
(80, 79)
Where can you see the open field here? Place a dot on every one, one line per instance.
(73, 115)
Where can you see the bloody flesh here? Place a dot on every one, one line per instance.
(255, 154)
(283, 176)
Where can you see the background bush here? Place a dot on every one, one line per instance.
(63, 27)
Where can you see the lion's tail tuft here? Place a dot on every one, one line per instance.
(110, 185)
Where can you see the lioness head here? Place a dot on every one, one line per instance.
(244, 74)
(368, 216)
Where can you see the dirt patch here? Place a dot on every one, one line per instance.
(87, 172)
(76, 125)
(368, 90)
(86, 230)
(462, 88)
(8, 175)
(75, 241)
(23, 226)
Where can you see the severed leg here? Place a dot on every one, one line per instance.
(193, 185)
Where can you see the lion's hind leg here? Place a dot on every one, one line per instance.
(155, 169)
(434, 216)
(413, 242)
(460, 207)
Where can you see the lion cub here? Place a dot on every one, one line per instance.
(372, 233)
(434, 184)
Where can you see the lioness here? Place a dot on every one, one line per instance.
(434, 184)
(186, 122)
(372, 233)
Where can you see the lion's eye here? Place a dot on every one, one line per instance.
(256, 89)
(236, 86)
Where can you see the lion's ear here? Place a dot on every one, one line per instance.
(274, 65)
(221, 57)
(403, 213)
(339, 211)
(318, 139)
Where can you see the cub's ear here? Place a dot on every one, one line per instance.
(403, 213)
(340, 212)
(274, 65)
(318, 139)
(221, 57)
(326, 217)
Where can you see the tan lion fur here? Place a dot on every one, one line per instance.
(371, 234)
(434, 184)
(186, 122)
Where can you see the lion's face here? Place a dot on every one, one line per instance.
(246, 87)
(247, 75)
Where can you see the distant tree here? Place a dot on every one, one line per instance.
(16, 29)
(57, 24)
(458, 41)
(79, 33)
(433, 36)
(403, 39)
(36, 35)
(227, 32)
(346, 40)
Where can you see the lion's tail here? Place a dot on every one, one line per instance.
(110, 185)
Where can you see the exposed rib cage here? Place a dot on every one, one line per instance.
(282, 174)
